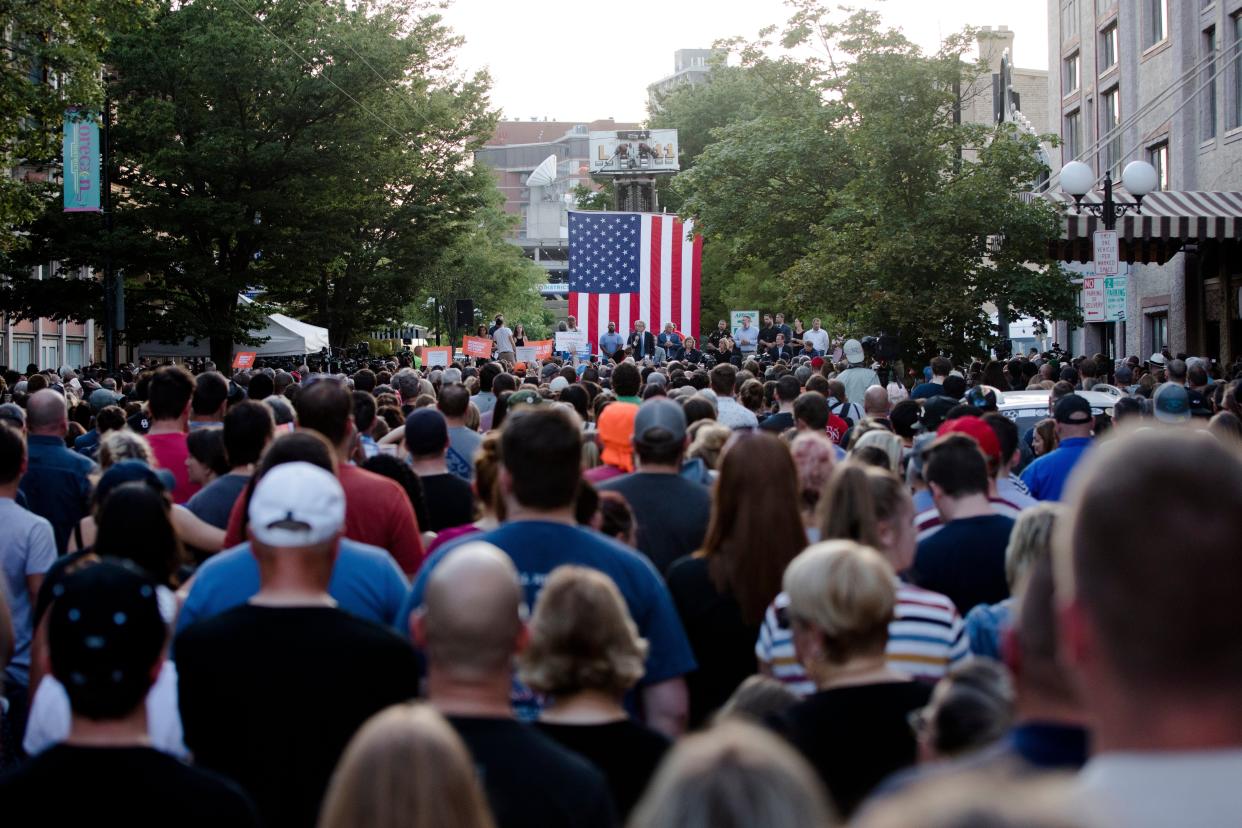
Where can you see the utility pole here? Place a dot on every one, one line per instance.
(114, 288)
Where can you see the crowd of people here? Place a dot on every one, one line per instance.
(743, 584)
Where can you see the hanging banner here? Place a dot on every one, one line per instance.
(81, 163)
(476, 346)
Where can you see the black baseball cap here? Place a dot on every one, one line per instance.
(1073, 409)
(426, 432)
(105, 635)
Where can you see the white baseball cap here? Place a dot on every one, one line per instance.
(853, 351)
(297, 504)
(558, 384)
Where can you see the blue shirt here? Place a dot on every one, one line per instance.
(1045, 478)
(926, 390)
(87, 444)
(366, 582)
(537, 547)
(610, 343)
(985, 624)
(56, 486)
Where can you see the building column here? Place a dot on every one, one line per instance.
(38, 344)
(89, 349)
(63, 356)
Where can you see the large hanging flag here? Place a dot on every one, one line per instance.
(625, 267)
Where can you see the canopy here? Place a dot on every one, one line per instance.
(1169, 220)
(285, 336)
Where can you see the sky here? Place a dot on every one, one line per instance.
(577, 61)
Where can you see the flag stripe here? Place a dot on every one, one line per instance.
(666, 273)
(592, 325)
(653, 280)
(695, 277)
(674, 281)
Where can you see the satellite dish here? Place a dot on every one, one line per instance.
(544, 174)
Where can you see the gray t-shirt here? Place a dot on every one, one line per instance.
(214, 502)
(671, 512)
(503, 337)
(27, 547)
(463, 443)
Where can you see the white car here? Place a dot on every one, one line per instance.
(1026, 408)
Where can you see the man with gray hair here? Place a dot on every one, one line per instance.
(471, 627)
(56, 484)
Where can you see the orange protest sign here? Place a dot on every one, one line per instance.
(243, 360)
(543, 348)
(476, 346)
(436, 356)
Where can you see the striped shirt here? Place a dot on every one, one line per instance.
(926, 637)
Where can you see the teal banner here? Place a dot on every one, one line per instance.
(81, 157)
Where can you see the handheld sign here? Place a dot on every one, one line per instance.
(243, 360)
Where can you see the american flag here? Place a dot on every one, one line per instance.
(624, 267)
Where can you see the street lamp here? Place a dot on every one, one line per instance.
(1139, 178)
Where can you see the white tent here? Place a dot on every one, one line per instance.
(285, 336)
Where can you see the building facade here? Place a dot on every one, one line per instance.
(515, 151)
(690, 67)
(1160, 81)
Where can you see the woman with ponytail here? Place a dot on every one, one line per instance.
(872, 506)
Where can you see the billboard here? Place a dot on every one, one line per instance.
(81, 163)
(634, 151)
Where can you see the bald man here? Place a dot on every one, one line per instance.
(470, 627)
(56, 484)
(875, 402)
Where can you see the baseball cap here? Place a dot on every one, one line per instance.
(935, 409)
(133, 471)
(976, 429)
(1198, 403)
(297, 504)
(1171, 403)
(1157, 359)
(527, 396)
(103, 398)
(558, 384)
(13, 414)
(1073, 409)
(817, 363)
(656, 378)
(982, 398)
(426, 431)
(1124, 374)
(105, 634)
(616, 429)
(660, 413)
(853, 351)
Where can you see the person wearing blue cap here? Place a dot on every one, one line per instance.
(106, 636)
(1045, 478)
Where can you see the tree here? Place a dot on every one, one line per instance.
(49, 59)
(862, 204)
(484, 267)
(324, 161)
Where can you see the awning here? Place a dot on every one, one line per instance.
(1168, 221)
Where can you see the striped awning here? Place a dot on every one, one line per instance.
(1168, 221)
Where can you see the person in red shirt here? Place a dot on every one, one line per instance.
(168, 398)
(377, 510)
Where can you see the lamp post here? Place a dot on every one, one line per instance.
(1139, 178)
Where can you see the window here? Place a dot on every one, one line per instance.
(1235, 117)
(1110, 114)
(1069, 74)
(1069, 19)
(1072, 136)
(1158, 157)
(1108, 48)
(75, 354)
(1159, 331)
(1157, 22)
(1208, 130)
(23, 353)
(50, 358)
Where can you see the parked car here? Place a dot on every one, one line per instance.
(1026, 408)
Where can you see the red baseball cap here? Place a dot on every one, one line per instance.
(975, 428)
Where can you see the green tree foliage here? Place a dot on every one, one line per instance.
(49, 60)
(849, 192)
(317, 150)
(484, 267)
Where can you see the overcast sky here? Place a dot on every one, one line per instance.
(577, 61)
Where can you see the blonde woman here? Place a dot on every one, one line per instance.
(585, 654)
(735, 775)
(405, 768)
(854, 729)
(1030, 542)
(885, 442)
